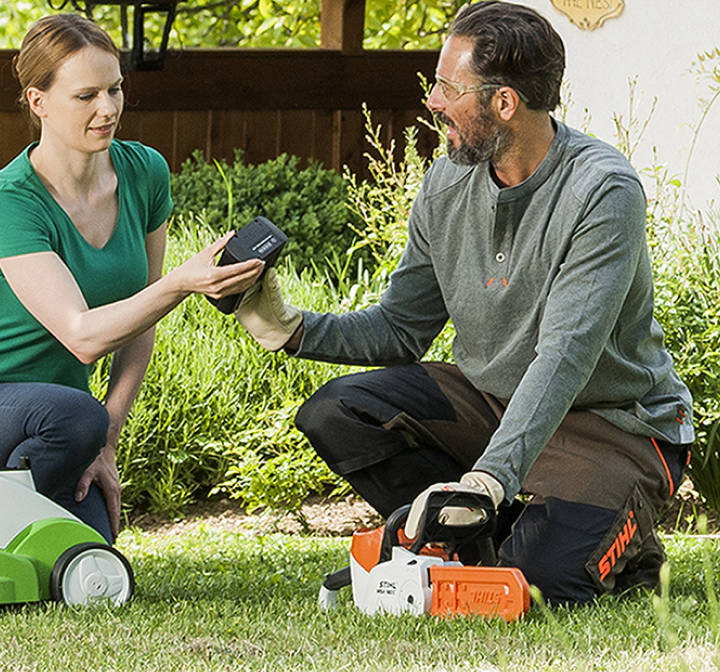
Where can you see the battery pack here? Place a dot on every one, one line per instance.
(260, 239)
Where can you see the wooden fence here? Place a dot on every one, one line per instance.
(265, 102)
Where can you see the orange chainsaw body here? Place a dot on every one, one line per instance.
(491, 592)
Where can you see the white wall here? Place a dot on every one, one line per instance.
(657, 41)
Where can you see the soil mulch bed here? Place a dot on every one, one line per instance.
(324, 517)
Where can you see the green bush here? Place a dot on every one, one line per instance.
(215, 411)
(687, 266)
(309, 205)
(685, 247)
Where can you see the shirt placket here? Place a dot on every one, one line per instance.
(501, 245)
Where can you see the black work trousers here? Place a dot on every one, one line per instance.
(596, 490)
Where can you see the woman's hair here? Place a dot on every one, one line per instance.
(46, 46)
(514, 46)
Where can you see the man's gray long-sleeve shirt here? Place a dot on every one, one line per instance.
(549, 286)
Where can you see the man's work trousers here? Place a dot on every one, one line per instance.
(595, 491)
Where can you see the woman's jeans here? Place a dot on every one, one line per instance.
(60, 430)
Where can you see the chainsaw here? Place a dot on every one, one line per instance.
(446, 570)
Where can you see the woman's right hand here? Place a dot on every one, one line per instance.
(201, 275)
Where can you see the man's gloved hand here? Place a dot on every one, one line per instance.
(262, 311)
(478, 482)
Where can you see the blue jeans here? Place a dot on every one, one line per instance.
(60, 430)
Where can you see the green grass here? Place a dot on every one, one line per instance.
(212, 599)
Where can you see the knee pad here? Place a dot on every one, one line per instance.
(551, 542)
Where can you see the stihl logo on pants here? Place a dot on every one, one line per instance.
(618, 546)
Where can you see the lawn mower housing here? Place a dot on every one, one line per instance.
(48, 553)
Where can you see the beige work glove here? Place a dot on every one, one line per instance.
(477, 482)
(262, 311)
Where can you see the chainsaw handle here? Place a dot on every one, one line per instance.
(478, 536)
(396, 520)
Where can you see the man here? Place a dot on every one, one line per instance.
(530, 237)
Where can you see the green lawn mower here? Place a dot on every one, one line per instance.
(48, 553)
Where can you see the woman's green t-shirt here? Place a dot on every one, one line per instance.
(32, 221)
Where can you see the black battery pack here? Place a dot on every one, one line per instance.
(260, 239)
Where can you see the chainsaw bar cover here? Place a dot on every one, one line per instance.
(479, 591)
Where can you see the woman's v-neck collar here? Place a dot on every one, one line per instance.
(66, 217)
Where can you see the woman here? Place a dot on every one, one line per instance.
(82, 240)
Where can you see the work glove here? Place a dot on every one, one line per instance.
(475, 482)
(262, 311)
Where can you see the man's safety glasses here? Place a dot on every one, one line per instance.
(451, 91)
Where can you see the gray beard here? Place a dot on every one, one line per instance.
(489, 143)
(490, 148)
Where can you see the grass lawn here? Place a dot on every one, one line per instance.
(212, 599)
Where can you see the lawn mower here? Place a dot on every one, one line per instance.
(48, 553)
(446, 570)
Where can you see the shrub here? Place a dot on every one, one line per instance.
(215, 411)
(686, 262)
(309, 205)
(687, 265)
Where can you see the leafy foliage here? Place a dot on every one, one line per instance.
(383, 203)
(389, 24)
(308, 204)
(687, 263)
(686, 260)
(15, 19)
(215, 412)
(248, 23)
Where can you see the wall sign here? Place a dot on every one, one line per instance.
(589, 14)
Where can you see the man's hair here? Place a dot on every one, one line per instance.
(514, 46)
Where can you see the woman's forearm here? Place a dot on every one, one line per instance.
(99, 331)
(47, 289)
(127, 371)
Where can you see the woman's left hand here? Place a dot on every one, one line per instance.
(201, 275)
(103, 471)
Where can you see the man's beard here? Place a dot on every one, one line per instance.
(487, 143)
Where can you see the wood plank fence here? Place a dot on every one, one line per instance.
(265, 102)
